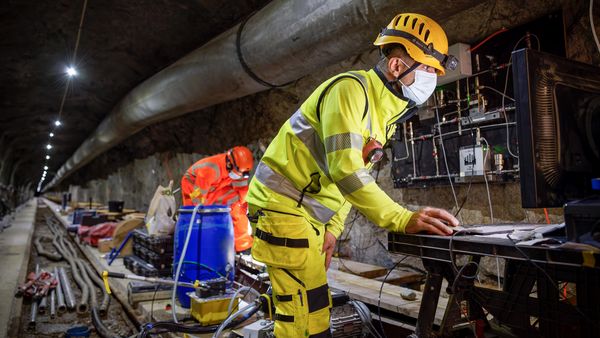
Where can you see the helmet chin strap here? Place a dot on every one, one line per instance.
(410, 69)
(403, 74)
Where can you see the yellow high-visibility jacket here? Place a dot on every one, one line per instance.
(314, 165)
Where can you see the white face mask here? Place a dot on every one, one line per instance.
(235, 176)
(422, 88)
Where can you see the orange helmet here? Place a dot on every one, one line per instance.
(241, 160)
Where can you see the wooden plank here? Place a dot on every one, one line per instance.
(367, 291)
(402, 277)
(357, 268)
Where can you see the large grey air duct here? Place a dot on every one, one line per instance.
(286, 40)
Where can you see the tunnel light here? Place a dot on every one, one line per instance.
(56, 123)
(45, 167)
(51, 134)
(71, 71)
(47, 157)
(48, 146)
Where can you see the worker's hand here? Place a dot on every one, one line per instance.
(328, 247)
(432, 220)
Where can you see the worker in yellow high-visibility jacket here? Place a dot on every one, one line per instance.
(316, 168)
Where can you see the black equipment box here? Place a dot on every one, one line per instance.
(141, 268)
(157, 244)
(582, 218)
(159, 261)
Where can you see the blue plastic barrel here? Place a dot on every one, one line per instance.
(210, 252)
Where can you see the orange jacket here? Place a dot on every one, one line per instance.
(207, 182)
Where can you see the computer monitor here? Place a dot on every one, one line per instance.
(558, 126)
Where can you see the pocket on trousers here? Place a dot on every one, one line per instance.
(281, 241)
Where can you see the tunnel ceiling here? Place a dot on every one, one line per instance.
(122, 43)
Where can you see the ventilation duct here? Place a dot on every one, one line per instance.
(284, 41)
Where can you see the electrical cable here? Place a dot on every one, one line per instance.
(554, 284)
(502, 30)
(152, 303)
(506, 87)
(240, 290)
(404, 265)
(405, 145)
(487, 187)
(254, 307)
(381, 290)
(592, 25)
(365, 317)
(439, 127)
(497, 92)
(470, 178)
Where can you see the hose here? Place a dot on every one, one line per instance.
(175, 327)
(98, 281)
(181, 259)
(101, 329)
(90, 285)
(254, 307)
(42, 252)
(191, 329)
(240, 290)
(60, 297)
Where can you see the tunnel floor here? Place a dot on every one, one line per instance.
(115, 320)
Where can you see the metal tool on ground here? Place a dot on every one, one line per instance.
(37, 285)
(114, 253)
(197, 285)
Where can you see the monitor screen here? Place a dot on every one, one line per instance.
(558, 124)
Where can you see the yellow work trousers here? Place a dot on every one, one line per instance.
(291, 247)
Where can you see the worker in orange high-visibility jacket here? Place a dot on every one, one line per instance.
(222, 179)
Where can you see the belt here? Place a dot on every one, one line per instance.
(281, 241)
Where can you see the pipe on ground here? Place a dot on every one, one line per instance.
(66, 288)
(34, 305)
(60, 297)
(43, 305)
(52, 303)
(283, 42)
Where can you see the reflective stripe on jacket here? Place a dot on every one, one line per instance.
(322, 157)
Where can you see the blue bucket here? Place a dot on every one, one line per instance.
(210, 252)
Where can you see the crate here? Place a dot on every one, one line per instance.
(157, 244)
(159, 261)
(142, 268)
